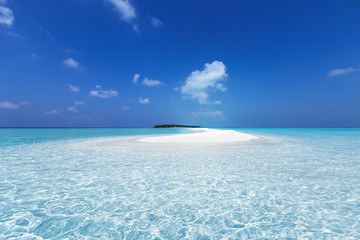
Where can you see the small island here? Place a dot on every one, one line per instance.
(174, 126)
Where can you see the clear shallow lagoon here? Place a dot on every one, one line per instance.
(298, 184)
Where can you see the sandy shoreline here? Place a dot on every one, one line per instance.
(199, 136)
(205, 135)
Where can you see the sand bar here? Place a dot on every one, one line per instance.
(202, 135)
(197, 137)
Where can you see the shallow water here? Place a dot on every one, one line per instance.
(298, 184)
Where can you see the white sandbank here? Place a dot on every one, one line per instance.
(203, 135)
(198, 137)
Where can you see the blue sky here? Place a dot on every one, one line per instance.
(119, 63)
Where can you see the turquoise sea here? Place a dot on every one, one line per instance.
(295, 184)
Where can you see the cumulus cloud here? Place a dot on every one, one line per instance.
(156, 22)
(73, 109)
(74, 88)
(144, 101)
(53, 112)
(8, 105)
(100, 93)
(136, 78)
(125, 9)
(221, 87)
(198, 83)
(208, 114)
(151, 83)
(342, 71)
(71, 63)
(6, 16)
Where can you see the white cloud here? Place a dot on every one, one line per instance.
(73, 109)
(136, 78)
(151, 83)
(74, 88)
(53, 112)
(342, 71)
(8, 105)
(144, 101)
(199, 82)
(2, 1)
(78, 103)
(221, 87)
(156, 22)
(6, 16)
(71, 63)
(125, 9)
(208, 114)
(103, 93)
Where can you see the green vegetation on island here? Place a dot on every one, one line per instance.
(174, 126)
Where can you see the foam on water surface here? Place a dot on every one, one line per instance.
(299, 184)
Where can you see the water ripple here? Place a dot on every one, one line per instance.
(302, 188)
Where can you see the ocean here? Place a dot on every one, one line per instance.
(295, 184)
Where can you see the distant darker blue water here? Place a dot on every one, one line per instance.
(296, 184)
